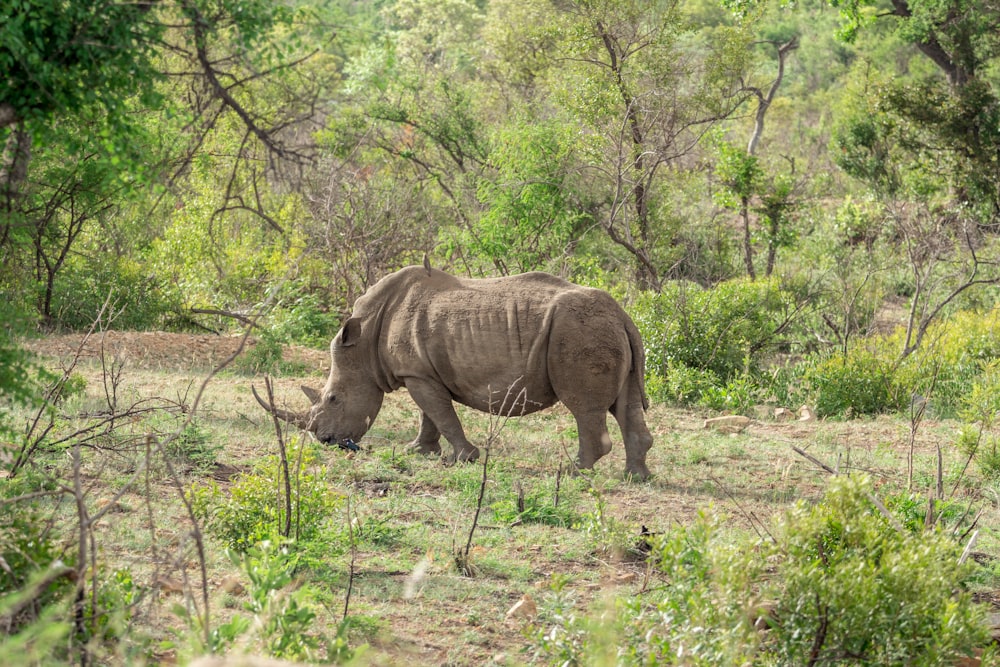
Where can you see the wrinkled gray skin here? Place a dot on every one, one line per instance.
(508, 346)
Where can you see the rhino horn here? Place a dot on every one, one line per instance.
(311, 394)
(300, 419)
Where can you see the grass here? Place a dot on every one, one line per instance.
(408, 602)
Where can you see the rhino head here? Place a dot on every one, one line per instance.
(347, 405)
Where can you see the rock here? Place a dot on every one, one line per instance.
(728, 424)
(232, 585)
(806, 414)
(524, 608)
(783, 414)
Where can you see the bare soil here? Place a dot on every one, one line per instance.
(161, 350)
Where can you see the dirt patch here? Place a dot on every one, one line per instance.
(161, 350)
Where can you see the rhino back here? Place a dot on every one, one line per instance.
(485, 340)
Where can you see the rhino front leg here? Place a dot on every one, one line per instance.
(428, 439)
(435, 401)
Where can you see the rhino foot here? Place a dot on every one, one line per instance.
(637, 471)
(425, 447)
(464, 455)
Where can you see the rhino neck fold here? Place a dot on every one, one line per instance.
(382, 377)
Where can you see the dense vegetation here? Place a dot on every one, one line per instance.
(798, 203)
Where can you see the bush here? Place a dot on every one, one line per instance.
(137, 300)
(302, 318)
(980, 437)
(254, 510)
(698, 339)
(854, 587)
(860, 382)
(845, 585)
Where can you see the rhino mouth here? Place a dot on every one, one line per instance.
(346, 444)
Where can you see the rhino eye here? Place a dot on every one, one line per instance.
(331, 399)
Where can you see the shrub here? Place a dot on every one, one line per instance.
(697, 339)
(854, 587)
(254, 510)
(194, 446)
(860, 382)
(980, 437)
(137, 300)
(845, 585)
(538, 505)
(302, 318)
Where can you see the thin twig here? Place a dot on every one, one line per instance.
(871, 497)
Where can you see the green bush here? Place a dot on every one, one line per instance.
(861, 382)
(980, 436)
(283, 614)
(302, 318)
(841, 585)
(949, 363)
(137, 301)
(19, 375)
(854, 587)
(194, 446)
(698, 338)
(538, 505)
(254, 509)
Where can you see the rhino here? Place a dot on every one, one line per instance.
(509, 346)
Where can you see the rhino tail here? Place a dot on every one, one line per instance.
(638, 359)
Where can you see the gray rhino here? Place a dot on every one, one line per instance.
(508, 346)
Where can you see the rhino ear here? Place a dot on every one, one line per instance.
(311, 393)
(351, 332)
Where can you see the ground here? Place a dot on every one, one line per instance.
(418, 608)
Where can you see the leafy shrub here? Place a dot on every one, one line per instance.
(697, 338)
(19, 374)
(302, 318)
(860, 382)
(194, 446)
(854, 586)
(266, 356)
(947, 366)
(254, 510)
(845, 584)
(136, 298)
(282, 621)
(980, 436)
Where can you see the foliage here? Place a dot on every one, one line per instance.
(194, 445)
(697, 339)
(59, 56)
(18, 373)
(541, 505)
(253, 510)
(845, 584)
(28, 546)
(529, 217)
(282, 614)
(854, 586)
(980, 437)
(861, 382)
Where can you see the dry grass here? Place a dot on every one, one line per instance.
(410, 603)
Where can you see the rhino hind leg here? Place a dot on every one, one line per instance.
(435, 401)
(629, 413)
(595, 441)
(428, 440)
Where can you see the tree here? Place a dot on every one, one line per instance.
(646, 86)
(125, 96)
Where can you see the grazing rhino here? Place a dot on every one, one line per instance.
(508, 346)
